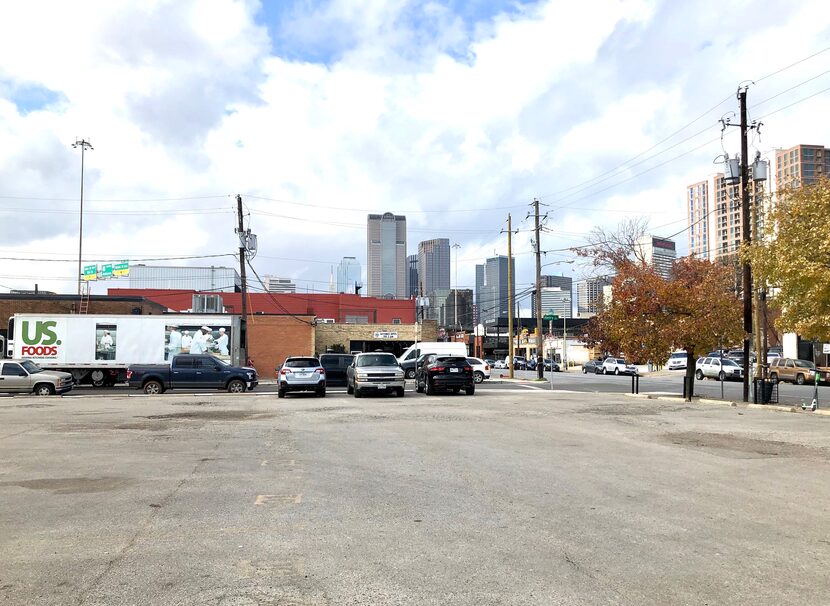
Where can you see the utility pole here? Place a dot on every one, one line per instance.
(243, 251)
(540, 360)
(84, 145)
(456, 246)
(510, 297)
(746, 238)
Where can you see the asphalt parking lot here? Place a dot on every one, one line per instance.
(516, 495)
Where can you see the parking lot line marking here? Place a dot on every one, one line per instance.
(268, 499)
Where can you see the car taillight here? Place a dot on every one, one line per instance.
(438, 368)
(129, 374)
(486, 367)
(285, 371)
(322, 371)
(468, 369)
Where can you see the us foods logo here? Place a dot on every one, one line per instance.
(40, 339)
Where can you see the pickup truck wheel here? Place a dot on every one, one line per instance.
(44, 389)
(236, 386)
(410, 374)
(153, 388)
(478, 377)
(357, 393)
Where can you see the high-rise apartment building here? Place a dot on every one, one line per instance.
(714, 215)
(660, 253)
(348, 275)
(386, 269)
(434, 265)
(700, 207)
(588, 295)
(801, 165)
(412, 276)
(493, 292)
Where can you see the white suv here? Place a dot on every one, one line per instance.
(481, 369)
(301, 374)
(677, 361)
(617, 366)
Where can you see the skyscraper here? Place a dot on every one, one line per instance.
(412, 276)
(386, 256)
(554, 300)
(659, 253)
(701, 218)
(348, 274)
(434, 265)
(588, 294)
(492, 294)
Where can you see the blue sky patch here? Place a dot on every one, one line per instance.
(31, 97)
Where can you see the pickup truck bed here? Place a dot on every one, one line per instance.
(190, 371)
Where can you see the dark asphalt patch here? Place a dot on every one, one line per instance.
(752, 447)
(72, 485)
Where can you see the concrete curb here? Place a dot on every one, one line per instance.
(770, 407)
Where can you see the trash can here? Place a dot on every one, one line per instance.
(765, 391)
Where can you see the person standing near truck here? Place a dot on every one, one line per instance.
(187, 340)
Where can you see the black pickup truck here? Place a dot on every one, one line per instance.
(194, 372)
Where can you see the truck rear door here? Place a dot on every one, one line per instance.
(182, 372)
(210, 373)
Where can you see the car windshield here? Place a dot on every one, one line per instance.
(678, 355)
(301, 362)
(376, 360)
(728, 362)
(804, 364)
(31, 367)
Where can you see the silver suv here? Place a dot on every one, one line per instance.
(301, 374)
(374, 372)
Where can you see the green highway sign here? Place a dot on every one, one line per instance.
(90, 272)
(106, 270)
(121, 269)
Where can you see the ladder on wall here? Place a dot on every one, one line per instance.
(83, 307)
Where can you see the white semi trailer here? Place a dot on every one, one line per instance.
(98, 348)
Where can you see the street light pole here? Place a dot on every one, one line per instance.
(84, 145)
(456, 246)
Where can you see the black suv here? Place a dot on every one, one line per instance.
(335, 365)
(444, 373)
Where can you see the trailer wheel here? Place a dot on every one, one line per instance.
(236, 386)
(44, 389)
(153, 388)
(98, 378)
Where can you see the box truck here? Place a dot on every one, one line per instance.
(98, 348)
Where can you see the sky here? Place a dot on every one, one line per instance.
(454, 114)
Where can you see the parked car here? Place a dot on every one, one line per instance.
(500, 364)
(530, 364)
(792, 370)
(677, 361)
(199, 371)
(375, 372)
(491, 362)
(617, 366)
(552, 366)
(519, 362)
(592, 366)
(481, 369)
(443, 373)
(300, 373)
(335, 365)
(718, 368)
(737, 355)
(24, 376)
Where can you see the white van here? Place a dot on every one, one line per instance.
(408, 358)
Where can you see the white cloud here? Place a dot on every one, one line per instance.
(406, 109)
